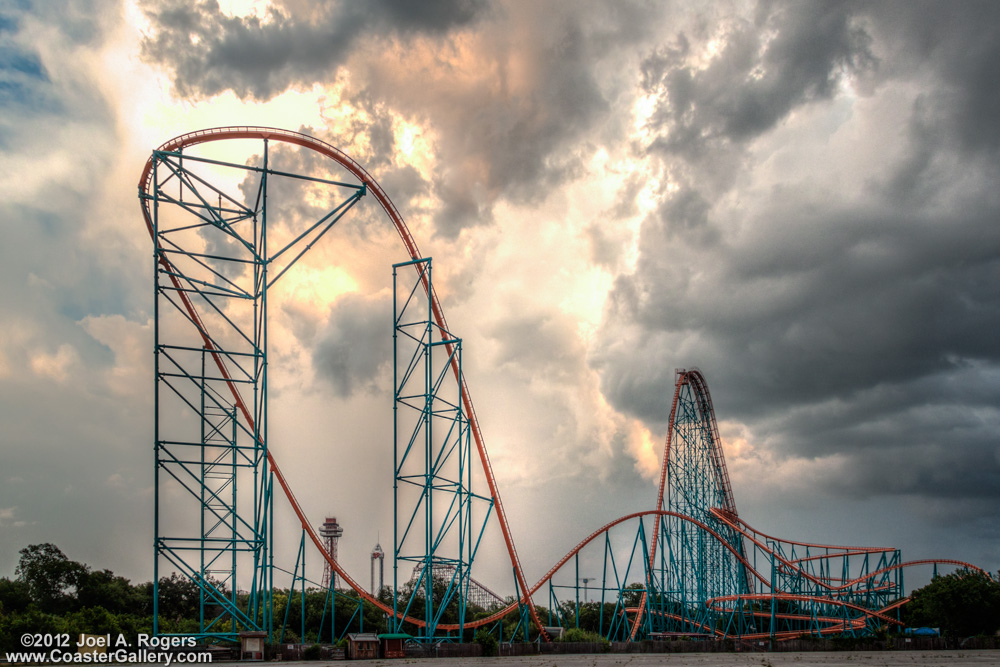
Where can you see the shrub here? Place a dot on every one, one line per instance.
(581, 635)
(488, 642)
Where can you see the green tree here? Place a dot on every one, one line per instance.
(91, 620)
(15, 596)
(581, 635)
(596, 617)
(104, 589)
(962, 604)
(180, 598)
(53, 594)
(51, 577)
(12, 626)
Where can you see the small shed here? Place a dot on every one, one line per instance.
(362, 646)
(252, 645)
(392, 644)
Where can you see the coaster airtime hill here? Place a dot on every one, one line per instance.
(688, 566)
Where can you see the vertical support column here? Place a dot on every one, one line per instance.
(213, 268)
(156, 396)
(438, 518)
(774, 574)
(576, 587)
(210, 342)
(218, 501)
(260, 598)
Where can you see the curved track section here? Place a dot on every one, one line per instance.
(273, 134)
(798, 565)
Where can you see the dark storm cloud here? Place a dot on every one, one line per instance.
(353, 352)
(850, 332)
(24, 82)
(404, 184)
(513, 132)
(537, 345)
(961, 50)
(295, 203)
(954, 121)
(46, 235)
(859, 325)
(78, 22)
(287, 201)
(210, 52)
(794, 53)
(519, 142)
(903, 422)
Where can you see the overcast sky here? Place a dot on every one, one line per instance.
(800, 199)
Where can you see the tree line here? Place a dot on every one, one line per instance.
(51, 593)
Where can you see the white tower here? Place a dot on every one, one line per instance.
(377, 555)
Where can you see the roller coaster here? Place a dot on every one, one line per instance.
(689, 566)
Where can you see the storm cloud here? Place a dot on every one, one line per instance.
(294, 42)
(516, 125)
(852, 323)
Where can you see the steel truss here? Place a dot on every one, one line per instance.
(706, 573)
(692, 566)
(439, 520)
(214, 269)
(480, 595)
(330, 594)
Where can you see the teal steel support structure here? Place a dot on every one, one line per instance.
(696, 566)
(214, 267)
(438, 519)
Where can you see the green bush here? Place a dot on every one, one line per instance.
(311, 653)
(488, 643)
(581, 635)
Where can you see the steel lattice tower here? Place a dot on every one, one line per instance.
(433, 497)
(331, 532)
(216, 261)
(691, 565)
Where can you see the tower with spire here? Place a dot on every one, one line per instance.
(378, 555)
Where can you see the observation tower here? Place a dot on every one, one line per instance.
(331, 532)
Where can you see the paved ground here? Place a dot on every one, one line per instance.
(839, 659)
